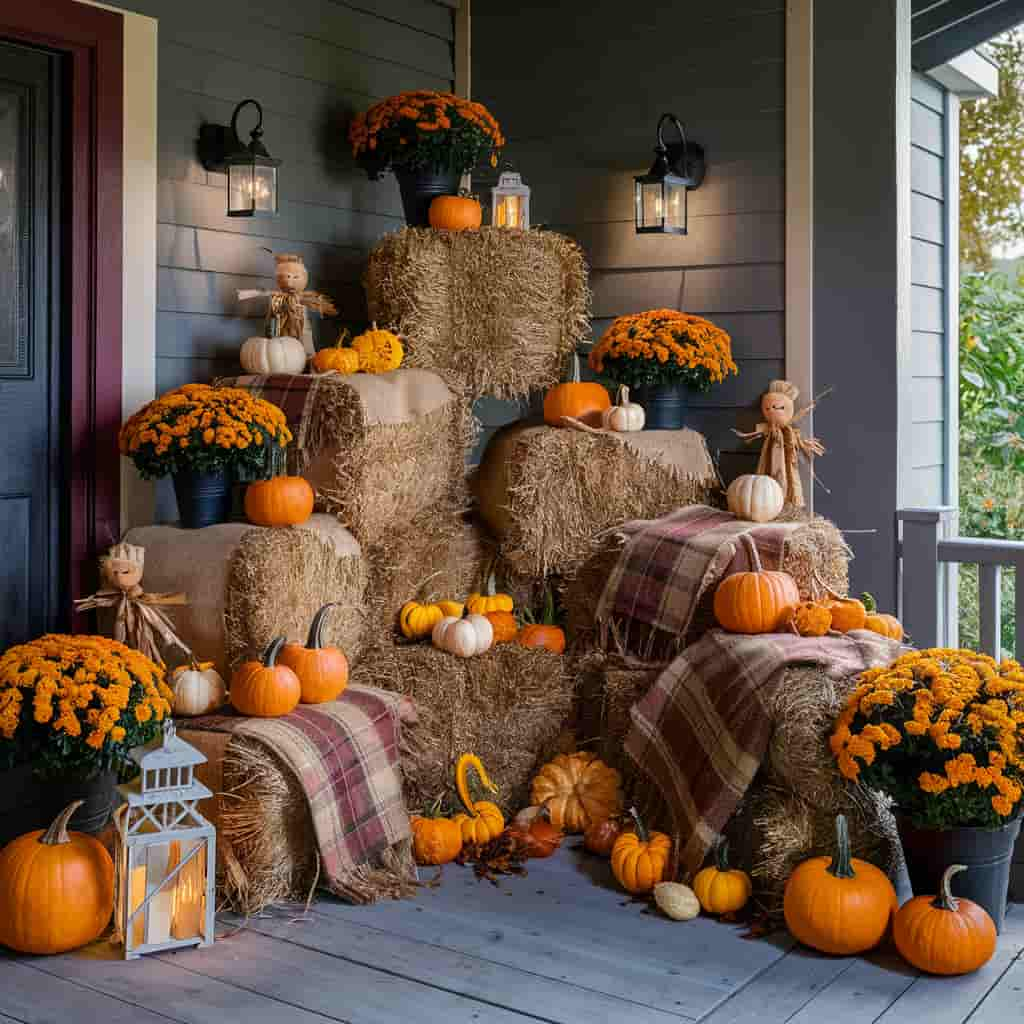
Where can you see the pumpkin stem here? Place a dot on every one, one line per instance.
(462, 767)
(342, 338)
(945, 899)
(315, 641)
(722, 854)
(269, 657)
(57, 833)
(623, 394)
(842, 862)
(752, 553)
(869, 602)
(641, 829)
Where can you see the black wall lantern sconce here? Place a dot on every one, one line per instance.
(251, 171)
(661, 193)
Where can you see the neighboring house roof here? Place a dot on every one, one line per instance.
(943, 29)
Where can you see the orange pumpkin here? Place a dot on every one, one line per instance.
(322, 671)
(886, 625)
(337, 358)
(455, 213)
(943, 935)
(847, 613)
(582, 400)
(755, 601)
(264, 689)
(808, 618)
(539, 838)
(483, 819)
(279, 501)
(577, 789)
(552, 638)
(56, 889)
(504, 625)
(839, 904)
(640, 858)
(435, 838)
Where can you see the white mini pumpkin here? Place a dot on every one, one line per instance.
(625, 417)
(756, 497)
(464, 637)
(198, 689)
(273, 355)
(677, 901)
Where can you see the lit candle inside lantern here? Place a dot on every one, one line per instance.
(190, 896)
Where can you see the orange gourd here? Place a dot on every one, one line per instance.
(483, 819)
(808, 618)
(56, 889)
(755, 601)
(504, 624)
(847, 613)
(640, 858)
(337, 358)
(577, 789)
(264, 689)
(883, 624)
(839, 904)
(943, 935)
(435, 838)
(455, 213)
(582, 400)
(322, 671)
(551, 638)
(719, 888)
(279, 501)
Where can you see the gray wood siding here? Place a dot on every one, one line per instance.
(928, 310)
(579, 129)
(311, 64)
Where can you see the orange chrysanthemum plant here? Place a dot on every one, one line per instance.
(204, 428)
(424, 130)
(663, 346)
(942, 733)
(73, 706)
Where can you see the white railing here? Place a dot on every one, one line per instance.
(926, 549)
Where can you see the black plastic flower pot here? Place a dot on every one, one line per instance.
(664, 405)
(28, 803)
(203, 498)
(987, 854)
(420, 188)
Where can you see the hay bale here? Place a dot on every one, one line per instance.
(546, 492)
(815, 550)
(380, 449)
(510, 706)
(495, 312)
(247, 584)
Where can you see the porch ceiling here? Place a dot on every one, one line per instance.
(943, 29)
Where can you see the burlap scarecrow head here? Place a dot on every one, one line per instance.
(122, 566)
(292, 275)
(777, 403)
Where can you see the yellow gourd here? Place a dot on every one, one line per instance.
(483, 819)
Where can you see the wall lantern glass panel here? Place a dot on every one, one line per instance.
(660, 195)
(251, 171)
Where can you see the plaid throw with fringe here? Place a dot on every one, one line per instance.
(345, 756)
(666, 566)
(702, 731)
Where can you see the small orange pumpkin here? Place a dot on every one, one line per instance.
(322, 671)
(847, 613)
(56, 888)
(264, 689)
(640, 858)
(719, 888)
(455, 213)
(435, 838)
(839, 904)
(483, 819)
(943, 935)
(279, 501)
(545, 631)
(582, 400)
(885, 625)
(337, 358)
(809, 618)
(755, 601)
(504, 625)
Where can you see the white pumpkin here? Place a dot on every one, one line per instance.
(273, 355)
(676, 900)
(198, 689)
(625, 417)
(464, 637)
(756, 497)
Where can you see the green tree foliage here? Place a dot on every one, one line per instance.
(992, 159)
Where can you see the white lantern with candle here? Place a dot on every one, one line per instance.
(510, 202)
(166, 896)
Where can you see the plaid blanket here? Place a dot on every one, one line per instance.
(294, 394)
(665, 567)
(345, 755)
(701, 732)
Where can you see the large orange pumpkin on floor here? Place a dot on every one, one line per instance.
(577, 789)
(264, 689)
(640, 858)
(755, 601)
(942, 934)
(582, 400)
(455, 213)
(56, 889)
(279, 501)
(839, 904)
(322, 671)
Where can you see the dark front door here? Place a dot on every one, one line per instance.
(32, 512)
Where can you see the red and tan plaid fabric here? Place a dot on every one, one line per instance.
(294, 394)
(666, 565)
(702, 731)
(345, 755)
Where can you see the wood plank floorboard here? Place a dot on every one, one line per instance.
(1004, 1004)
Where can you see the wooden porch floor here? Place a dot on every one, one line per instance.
(561, 945)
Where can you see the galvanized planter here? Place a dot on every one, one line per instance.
(665, 405)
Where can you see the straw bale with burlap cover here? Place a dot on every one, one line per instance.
(248, 584)
(547, 493)
(495, 312)
(511, 706)
(379, 449)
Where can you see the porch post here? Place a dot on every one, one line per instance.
(921, 593)
(862, 274)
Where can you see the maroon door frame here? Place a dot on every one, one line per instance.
(93, 40)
